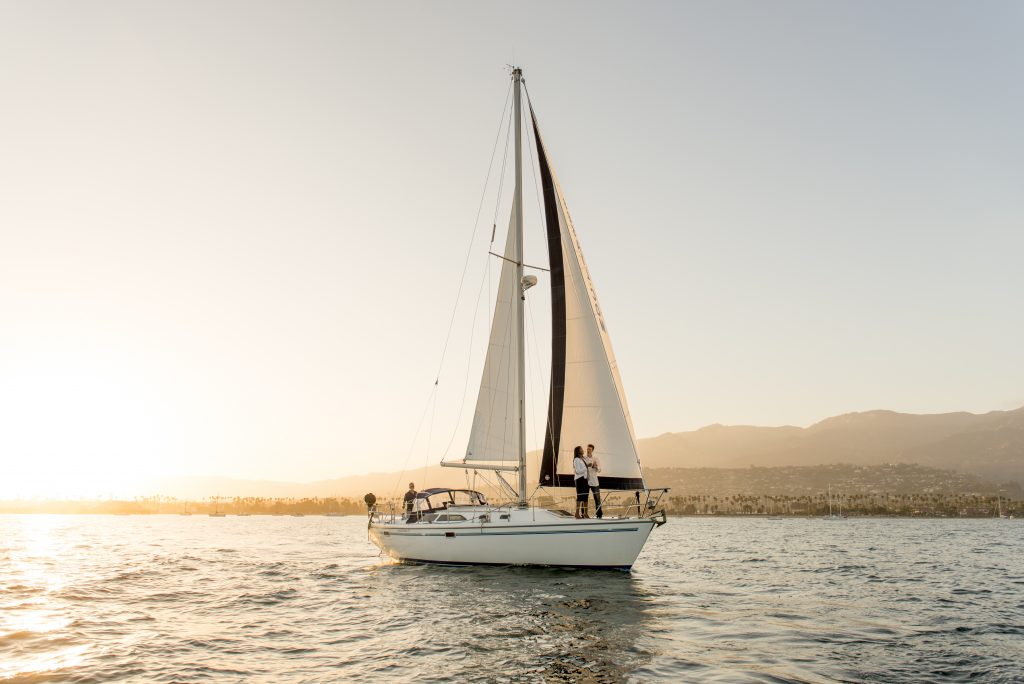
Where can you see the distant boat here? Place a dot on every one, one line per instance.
(217, 513)
(334, 515)
(831, 514)
(243, 515)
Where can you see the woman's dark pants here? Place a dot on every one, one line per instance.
(582, 494)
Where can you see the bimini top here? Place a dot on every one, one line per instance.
(465, 495)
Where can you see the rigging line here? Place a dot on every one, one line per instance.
(540, 375)
(412, 447)
(430, 436)
(532, 394)
(501, 178)
(492, 308)
(535, 490)
(477, 474)
(539, 268)
(469, 360)
(472, 239)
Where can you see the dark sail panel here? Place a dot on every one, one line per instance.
(552, 435)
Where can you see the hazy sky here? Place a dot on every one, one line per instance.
(231, 233)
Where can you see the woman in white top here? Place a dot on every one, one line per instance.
(579, 467)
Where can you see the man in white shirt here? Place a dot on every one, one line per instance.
(593, 468)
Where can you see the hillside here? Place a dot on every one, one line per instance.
(989, 445)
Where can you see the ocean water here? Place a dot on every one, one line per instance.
(276, 599)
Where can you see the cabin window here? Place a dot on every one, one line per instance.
(451, 517)
(466, 498)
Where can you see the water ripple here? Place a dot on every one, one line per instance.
(270, 599)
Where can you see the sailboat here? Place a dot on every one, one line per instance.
(831, 514)
(999, 508)
(217, 513)
(586, 404)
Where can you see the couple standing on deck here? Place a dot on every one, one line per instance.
(585, 469)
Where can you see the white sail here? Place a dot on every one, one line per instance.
(495, 432)
(588, 403)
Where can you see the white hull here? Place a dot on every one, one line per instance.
(531, 536)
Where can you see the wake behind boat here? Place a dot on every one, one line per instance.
(587, 403)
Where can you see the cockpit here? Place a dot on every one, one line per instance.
(434, 503)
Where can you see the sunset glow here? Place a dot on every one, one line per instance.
(221, 254)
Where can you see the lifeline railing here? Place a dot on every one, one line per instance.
(642, 504)
(387, 515)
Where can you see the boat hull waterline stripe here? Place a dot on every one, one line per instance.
(457, 564)
(475, 533)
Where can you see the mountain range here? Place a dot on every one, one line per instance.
(989, 446)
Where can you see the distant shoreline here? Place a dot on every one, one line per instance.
(880, 505)
(216, 506)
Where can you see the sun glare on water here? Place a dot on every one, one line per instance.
(33, 566)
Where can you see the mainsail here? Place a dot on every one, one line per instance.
(587, 403)
(495, 432)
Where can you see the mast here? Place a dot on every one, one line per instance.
(517, 78)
